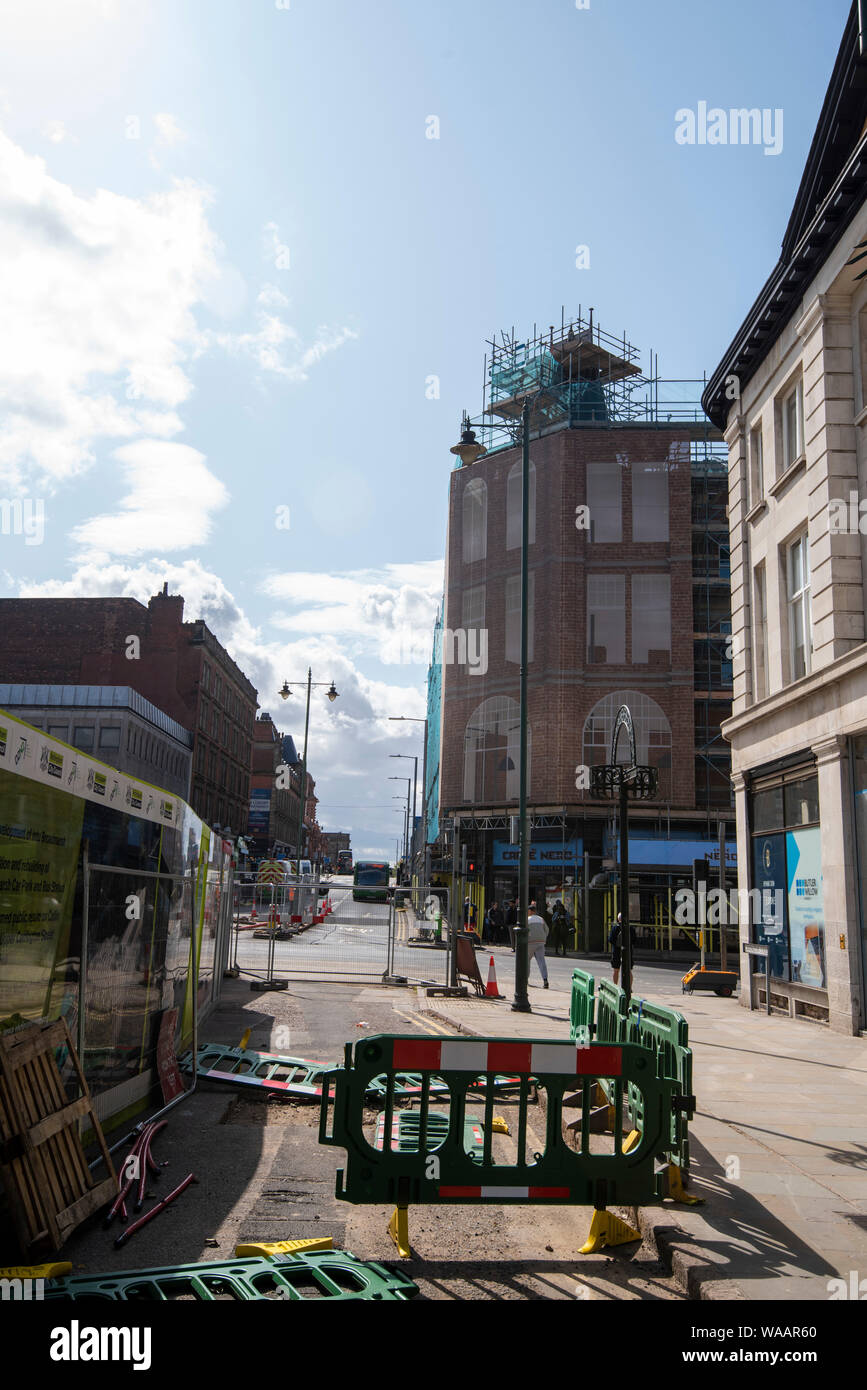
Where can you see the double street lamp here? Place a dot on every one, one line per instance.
(411, 825)
(284, 694)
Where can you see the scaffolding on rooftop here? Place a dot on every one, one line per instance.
(580, 375)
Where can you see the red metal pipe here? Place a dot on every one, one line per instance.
(154, 1211)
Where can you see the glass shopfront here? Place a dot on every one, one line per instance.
(787, 910)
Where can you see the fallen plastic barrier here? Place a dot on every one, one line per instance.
(331, 1274)
(406, 1130)
(297, 1076)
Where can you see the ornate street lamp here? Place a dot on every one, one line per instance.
(621, 780)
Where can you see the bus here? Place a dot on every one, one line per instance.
(344, 861)
(370, 881)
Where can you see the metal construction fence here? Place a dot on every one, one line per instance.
(319, 929)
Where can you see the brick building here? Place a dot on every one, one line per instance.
(628, 603)
(273, 821)
(178, 666)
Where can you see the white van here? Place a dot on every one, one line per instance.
(292, 868)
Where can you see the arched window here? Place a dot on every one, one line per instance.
(652, 734)
(475, 521)
(492, 747)
(513, 506)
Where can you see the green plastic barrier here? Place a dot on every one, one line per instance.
(406, 1128)
(667, 1032)
(583, 1004)
(331, 1274)
(447, 1173)
(610, 1012)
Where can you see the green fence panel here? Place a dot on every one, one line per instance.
(406, 1129)
(582, 1015)
(332, 1274)
(667, 1032)
(447, 1172)
(610, 1012)
(297, 1076)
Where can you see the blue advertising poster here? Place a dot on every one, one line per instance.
(769, 917)
(806, 908)
(260, 809)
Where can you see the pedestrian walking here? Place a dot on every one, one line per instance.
(538, 935)
(512, 921)
(497, 923)
(615, 941)
(561, 923)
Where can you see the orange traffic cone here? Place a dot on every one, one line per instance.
(491, 991)
(253, 913)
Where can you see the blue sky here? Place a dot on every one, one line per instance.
(231, 260)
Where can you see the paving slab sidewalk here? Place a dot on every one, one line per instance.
(778, 1144)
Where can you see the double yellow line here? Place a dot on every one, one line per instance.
(430, 1025)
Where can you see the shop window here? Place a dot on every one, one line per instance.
(787, 899)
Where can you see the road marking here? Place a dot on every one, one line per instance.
(427, 1024)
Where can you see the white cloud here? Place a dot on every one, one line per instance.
(56, 132)
(275, 345)
(168, 130)
(169, 505)
(390, 611)
(98, 295)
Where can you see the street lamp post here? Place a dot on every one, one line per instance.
(284, 694)
(408, 781)
(408, 719)
(414, 760)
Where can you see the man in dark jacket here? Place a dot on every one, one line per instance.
(615, 941)
(512, 920)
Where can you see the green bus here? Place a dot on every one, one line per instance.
(370, 881)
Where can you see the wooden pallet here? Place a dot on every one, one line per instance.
(44, 1172)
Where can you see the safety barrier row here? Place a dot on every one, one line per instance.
(666, 1033)
(441, 1166)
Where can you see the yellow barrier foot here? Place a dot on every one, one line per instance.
(398, 1229)
(677, 1190)
(632, 1138)
(606, 1229)
(499, 1125)
(285, 1247)
(49, 1271)
(242, 1045)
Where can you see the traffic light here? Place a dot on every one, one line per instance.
(471, 866)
